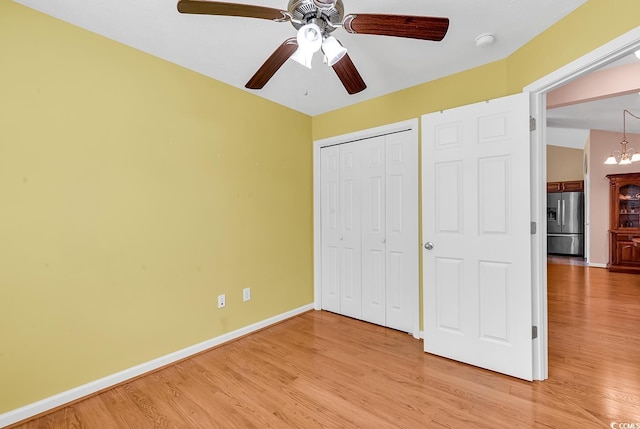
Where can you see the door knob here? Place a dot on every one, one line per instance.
(384, 241)
(340, 238)
(428, 245)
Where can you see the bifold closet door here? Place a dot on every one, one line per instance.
(373, 230)
(350, 231)
(401, 231)
(369, 210)
(389, 230)
(330, 235)
(341, 230)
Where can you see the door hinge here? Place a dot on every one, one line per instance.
(532, 123)
(534, 332)
(534, 228)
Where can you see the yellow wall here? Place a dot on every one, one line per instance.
(564, 164)
(133, 192)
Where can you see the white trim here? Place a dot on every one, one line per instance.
(608, 53)
(596, 265)
(410, 125)
(80, 392)
(587, 209)
(539, 240)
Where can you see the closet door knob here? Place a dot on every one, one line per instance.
(384, 241)
(340, 238)
(428, 245)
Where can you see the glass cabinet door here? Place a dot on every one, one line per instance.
(629, 206)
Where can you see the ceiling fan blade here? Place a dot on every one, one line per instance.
(273, 64)
(230, 9)
(349, 75)
(414, 27)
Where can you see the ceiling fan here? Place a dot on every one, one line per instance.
(315, 20)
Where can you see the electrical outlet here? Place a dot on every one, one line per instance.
(246, 294)
(222, 301)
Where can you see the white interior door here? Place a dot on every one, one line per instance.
(476, 215)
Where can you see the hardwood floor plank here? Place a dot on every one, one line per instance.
(322, 370)
(124, 411)
(94, 413)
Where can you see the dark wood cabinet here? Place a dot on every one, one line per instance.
(626, 252)
(624, 222)
(571, 186)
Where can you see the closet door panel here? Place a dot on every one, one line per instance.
(350, 226)
(402, 241)
(330, 220)
(373, 230)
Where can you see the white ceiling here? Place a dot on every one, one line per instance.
(603, 114)
(231, 49)
(569, 126)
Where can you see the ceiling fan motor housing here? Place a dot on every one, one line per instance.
(319, 12)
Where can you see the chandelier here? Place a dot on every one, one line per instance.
(624, 156)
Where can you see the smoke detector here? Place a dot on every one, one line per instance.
(485, 39)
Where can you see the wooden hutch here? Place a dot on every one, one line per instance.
(624, 223)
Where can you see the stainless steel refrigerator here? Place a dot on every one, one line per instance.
(565, 223)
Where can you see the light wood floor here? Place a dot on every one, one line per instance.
(323, 370)
(564, 259)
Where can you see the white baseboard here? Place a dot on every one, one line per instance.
(79, 392)
(595, 265)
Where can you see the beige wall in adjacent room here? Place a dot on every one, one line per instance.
(601, 144)
(564, 164)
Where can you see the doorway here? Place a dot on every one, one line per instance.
(606, 54)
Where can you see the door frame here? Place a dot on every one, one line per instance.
(605, 54)
(410, 125)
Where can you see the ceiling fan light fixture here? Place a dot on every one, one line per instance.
(333, 50)
(303, 57)
(310, 37)
(309, 40)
